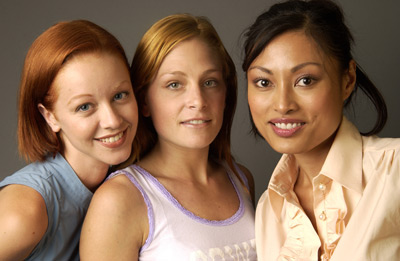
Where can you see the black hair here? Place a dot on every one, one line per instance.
(322, 20)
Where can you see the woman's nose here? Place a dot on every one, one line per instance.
(196, 99)
(110, 118)
(284, 100)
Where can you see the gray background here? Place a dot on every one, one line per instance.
(375, 25)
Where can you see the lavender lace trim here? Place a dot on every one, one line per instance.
(150, 212)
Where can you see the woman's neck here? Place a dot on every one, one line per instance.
(310, 163)
(91, 174)
(172, 162)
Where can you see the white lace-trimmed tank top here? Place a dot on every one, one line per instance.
(177, 234)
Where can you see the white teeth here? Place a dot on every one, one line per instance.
(196, 121)
(287, 126)
(112, 139)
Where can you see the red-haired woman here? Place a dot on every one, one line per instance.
(77, 116)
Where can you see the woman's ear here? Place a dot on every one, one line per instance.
(50, 118)
(349, 79)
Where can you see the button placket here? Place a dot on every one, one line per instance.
(322, 187)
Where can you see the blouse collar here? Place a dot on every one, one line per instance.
(343, 164)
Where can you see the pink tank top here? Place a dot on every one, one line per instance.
(177, 234)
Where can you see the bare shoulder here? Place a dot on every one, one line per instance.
(250, 180)
(23, 221)
(117, 196)
(114, 193)
(116, 211)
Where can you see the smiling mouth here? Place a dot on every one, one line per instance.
(288, 126)
(112, 139)
(195, 122)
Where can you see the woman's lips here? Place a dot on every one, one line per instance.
(113, 141)
(286, 128)
(196, 123)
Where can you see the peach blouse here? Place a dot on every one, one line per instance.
(356, 204)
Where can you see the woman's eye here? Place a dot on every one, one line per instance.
(262, 83)
(210, 83)
(305, 81)
(83, 107)
(120, 95)
(173, 85)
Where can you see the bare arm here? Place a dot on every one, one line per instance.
(250, 181)
(116, 225)
(23, 221)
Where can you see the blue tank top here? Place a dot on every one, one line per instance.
(67, 201)
(177, 234)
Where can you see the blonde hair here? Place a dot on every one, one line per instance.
(155, 45)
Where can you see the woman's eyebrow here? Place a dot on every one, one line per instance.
(300, 66)
(263, 69)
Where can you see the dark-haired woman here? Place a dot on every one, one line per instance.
(334, 194)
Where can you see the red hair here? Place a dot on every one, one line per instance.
(45, 58)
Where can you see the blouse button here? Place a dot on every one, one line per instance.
(322, 216)
(322, 186)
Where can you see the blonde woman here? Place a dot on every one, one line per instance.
(185, 198)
